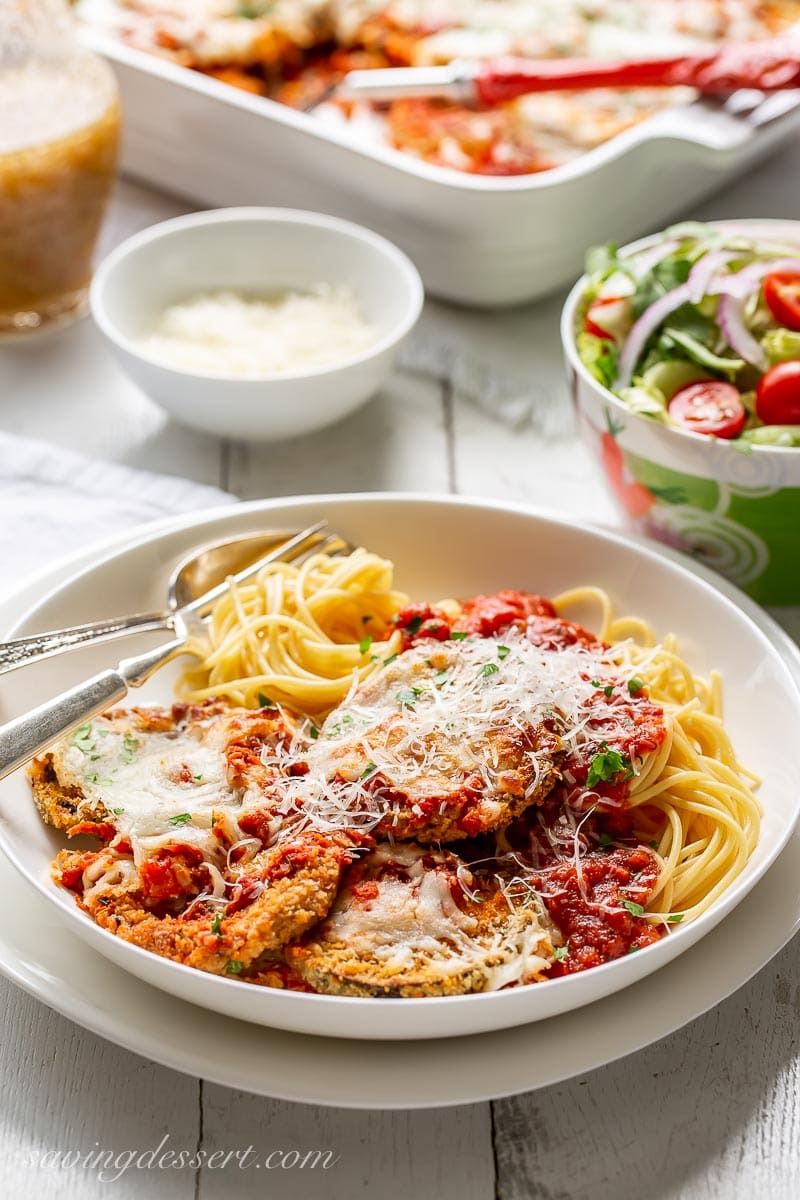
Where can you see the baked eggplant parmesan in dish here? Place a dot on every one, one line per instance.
(296, 51)
(362, 796)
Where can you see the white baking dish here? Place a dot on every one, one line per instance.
(478, 240)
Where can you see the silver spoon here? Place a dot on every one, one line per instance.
(197, 580)
(28, 735)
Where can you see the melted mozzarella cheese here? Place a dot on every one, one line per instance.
(414, 925)
(157, 788)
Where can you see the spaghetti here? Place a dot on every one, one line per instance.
(693, 802)
(298, 635)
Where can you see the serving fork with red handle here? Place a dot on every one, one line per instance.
(768, 66)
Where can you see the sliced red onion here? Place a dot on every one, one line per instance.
(704, 270)
(730, 285)
(645, 260)
(730, 314)
(641, 330)
(757, 270)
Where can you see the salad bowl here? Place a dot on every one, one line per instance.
(732, 503)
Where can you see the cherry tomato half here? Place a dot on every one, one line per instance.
(778, 395)
(709, 407)
(782, 294)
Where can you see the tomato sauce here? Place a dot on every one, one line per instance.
(72, 876)
(595, 920)
(418, 621)
(104, 831)
(487, 615)
(175, 872)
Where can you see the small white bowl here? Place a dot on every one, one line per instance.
(255, 250)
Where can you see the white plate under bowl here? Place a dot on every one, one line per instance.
(467, 547)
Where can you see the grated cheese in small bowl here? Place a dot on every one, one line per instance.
(231, 334)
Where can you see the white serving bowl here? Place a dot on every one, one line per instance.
(735, 512)
(255, 251)
(440, 546)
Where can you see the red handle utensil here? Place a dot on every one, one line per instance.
(768, 66)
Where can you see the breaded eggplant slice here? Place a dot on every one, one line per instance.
(275, 897)
(154, 773)
(440, 743)
(411, 921)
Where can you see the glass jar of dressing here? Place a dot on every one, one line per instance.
(59, 134)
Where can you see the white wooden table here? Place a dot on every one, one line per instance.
(710, 1113)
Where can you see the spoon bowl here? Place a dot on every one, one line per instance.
(195, 583)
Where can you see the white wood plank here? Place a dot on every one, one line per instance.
(65, 1090)
(513, 425)
(710, 1113)
(437, 1155)
(397, 441)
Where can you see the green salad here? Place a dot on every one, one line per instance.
(701, 331)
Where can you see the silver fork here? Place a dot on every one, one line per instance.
(26, 736)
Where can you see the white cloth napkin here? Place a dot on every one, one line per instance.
(54, 502)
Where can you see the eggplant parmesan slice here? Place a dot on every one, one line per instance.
(271, 899)
(411, 921)
(448, 741)
(159, 776)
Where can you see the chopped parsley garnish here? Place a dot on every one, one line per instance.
(197, 778)
(440, 679)
(488, 669)
(675, 918)
(233, 967)
(336, 729)
(605, 840)
(118, 811)
(633, 949)
(180, 819)
(595, 682)
(409, 696)
(369, 769)
(561, 952)
(503, 652)
(83, 739)
(264, 701)
(414, 625)
(608, 691)
(458, 635)
(364, 644)
(636, 910)
(130, 745)
(606, 766)
(313, 733)
(215, 924)
(94, 757)
(635, 686)
(390, 659)
(91, 778)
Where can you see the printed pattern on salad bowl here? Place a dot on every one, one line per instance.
(736, 512)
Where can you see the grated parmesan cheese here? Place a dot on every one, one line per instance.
(228, 334)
